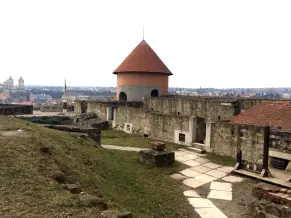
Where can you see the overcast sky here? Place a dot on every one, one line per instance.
(215, 43)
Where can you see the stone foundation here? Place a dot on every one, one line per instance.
(157, 158)
(270, 201)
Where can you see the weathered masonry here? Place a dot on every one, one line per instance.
(13, 109)
(192, 121)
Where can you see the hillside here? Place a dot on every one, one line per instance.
(27, 188)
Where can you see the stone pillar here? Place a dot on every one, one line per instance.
(208, 135)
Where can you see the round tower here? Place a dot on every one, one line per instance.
(141, 74)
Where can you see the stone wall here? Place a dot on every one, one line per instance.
(280, 140)
(227, 139)
(157, 126)
(99, 108)
(209, 108)
(13, 109)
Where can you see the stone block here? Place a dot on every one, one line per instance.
(158, 146)
(157, 158)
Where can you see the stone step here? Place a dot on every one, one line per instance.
(197, 150)
(198, 145)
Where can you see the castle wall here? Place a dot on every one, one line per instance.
(156, 126)
(210, 109)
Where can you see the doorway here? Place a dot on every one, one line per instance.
(200, 130)
(155, 93)
(122, 96)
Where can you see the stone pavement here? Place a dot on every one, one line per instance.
(201, 171)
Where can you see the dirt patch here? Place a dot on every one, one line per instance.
(12, 133)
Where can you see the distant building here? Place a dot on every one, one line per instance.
(40, 98)
(8, 83)
(21, 83)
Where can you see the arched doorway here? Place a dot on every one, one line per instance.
(155, 93)
(122, 96)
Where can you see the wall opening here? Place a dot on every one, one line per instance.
(83, 107)
(155, 93)
(128, 127)
(145, 135)
(122, 96)
(181, 137)
(200, 130)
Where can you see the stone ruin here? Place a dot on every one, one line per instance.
(91, 120)
(270, 201)
(157, 156)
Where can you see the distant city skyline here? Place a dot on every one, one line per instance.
(208, 44)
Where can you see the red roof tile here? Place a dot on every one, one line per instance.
(273, 114)
(143, 59)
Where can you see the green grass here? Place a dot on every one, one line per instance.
(115, 137)
(222, 160)
(27, 190)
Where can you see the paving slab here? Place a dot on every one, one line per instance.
(201, 203)
(200, 169)
(216, 173)
(211, 165)
(190, 156)
(189, 173)
(191, 163)
(222, 195)
(202, 160)
(205, 178)
(178, 176)
(225, 169)
(232, 179)
(191, 193)
(221, 186)
(210, 213)
(180, 153)
(181, 159)
(193, 183)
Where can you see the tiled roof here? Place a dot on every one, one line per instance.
(273, 114)
(143, 59)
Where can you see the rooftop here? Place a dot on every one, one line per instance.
(274, 114)
(143, 59)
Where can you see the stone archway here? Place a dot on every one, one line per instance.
(122, 96)
(155, 93)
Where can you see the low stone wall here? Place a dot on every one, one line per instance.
(14, 109)
(270, 201)
(92, 132)
(51, 108)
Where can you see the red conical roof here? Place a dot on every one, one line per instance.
(143, 59)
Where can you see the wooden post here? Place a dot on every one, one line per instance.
(265, 172)
(238, 164)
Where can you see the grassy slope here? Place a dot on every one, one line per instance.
(26, 189)
(115, 137)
